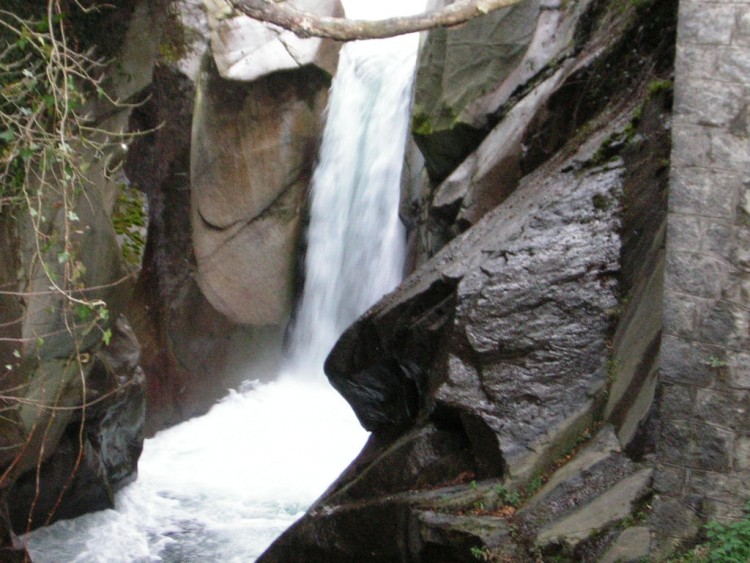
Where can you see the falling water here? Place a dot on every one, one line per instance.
(355, 239)
(222, 486)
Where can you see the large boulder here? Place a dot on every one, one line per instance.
(98, 450)
(521, 298)
(253, 149)
(201, 329)
(73, 390)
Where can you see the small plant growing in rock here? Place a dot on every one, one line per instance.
(534, 486)
(729, 543)
(481, 553)
(726, 543)
(658, 86)
(716, 362)
(509, 498)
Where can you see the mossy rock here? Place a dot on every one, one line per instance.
(456, 67)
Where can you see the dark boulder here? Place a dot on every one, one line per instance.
(384, 395)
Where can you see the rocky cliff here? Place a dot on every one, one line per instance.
(509, 381)
(563, 374)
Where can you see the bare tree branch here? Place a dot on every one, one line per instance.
(342, 29)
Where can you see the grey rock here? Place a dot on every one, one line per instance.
(706, 23)
(603, 445)
(632, 545)
(609, 508)
(247, 209)
(450, 537)
(520, 298)
(466, 75)
(82, 476)
(574, 489)
(422, 458)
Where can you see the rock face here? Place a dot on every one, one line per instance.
(197, 329)
(247, 209)
(466, 76)
(98, 451)
(521, 297)
(73, 390)
(509, 380)
(212, 301)
(253, 147)
(245, 49)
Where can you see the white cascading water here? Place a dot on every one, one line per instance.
(222, 486)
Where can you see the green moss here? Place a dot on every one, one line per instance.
(600, 202)
(177, 39)
(421, 124)
(534, 485)
(658, 86)
(129, 220)
(613, 366)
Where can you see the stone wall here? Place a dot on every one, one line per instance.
(703, 450)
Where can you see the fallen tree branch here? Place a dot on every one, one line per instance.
(304, 24)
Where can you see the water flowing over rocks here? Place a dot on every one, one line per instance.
(563, 374)
(215, 295)
(516, 364)
(191, 352)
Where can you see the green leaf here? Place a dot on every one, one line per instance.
(72, 216)
(83, 312)
(49, 101)
(16, 353)
(107, 336)
(7, 136)
(62, 257)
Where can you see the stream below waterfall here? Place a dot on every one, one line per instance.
(223, 486)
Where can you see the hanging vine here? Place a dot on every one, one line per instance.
(51, 91)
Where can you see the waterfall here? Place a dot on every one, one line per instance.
(222, 486)
(355, 239)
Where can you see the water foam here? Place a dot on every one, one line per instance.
(222, 486)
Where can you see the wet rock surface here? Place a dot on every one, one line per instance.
(513, 323)
(247, 209)
(536, 279)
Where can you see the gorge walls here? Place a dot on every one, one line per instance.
(152, 331)
(563, 374)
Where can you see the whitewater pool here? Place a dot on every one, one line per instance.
(222, 487)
